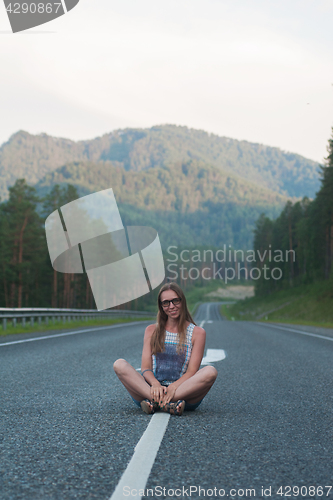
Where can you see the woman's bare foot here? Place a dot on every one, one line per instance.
(174, 408)
(148, 406)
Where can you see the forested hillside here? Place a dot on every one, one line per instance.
(33, 156)
(189, 203)
(183, 187)
(305, 230)
(196, 189)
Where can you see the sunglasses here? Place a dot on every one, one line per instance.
(166, 303)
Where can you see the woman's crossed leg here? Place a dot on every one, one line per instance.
(191, 390)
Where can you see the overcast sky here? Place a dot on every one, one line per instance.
(259, 70)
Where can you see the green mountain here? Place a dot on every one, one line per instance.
(33, 156)
(182, 187)
(195, 188)
(189, 203)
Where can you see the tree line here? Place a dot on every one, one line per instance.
(305, 230)
(27, 278)
(26, 274)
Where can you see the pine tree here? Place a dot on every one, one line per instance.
(59, 196)
(23, 245)
(324, 202)
(263, 235)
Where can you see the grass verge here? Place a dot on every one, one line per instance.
(59, 325)
(310, 305)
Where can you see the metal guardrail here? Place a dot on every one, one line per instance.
(67, 315)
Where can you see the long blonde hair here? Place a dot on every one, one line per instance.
(158, 338)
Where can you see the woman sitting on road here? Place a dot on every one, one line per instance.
(171, 380)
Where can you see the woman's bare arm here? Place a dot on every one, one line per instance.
(156, 390)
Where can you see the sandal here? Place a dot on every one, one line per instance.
(148, 406)
(174, 408)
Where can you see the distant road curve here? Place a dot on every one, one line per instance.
(210, 311)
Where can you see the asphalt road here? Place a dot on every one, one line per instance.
(68, 428)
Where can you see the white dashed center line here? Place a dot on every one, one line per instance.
(137, 472)
(213, 355)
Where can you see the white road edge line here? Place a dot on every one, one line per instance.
(297, 331)
(71, 333)
(137, 472)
